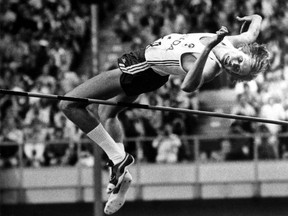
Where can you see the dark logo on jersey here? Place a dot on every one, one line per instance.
(191, 45)
(156, 43)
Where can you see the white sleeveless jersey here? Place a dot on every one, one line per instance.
(164, 55)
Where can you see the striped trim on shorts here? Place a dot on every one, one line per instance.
(138, 77)
(136, 68)
(164, 62)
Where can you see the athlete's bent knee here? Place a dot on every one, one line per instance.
(68, 106)
(65, 106)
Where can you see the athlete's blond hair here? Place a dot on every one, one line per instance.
(261, 61)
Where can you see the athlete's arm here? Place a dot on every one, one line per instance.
(194, 77)
(251, 34)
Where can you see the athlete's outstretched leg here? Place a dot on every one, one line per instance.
(103, 86)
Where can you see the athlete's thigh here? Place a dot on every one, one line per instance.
(103, 86)
(107, 111)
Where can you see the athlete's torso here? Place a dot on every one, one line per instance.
(164, 55)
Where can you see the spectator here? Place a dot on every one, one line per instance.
(13, 136)
(241, 144)
(273, 110)
(69, 79)
(224, 153)
(167, 145)
(70, 157)
(46, 79)
(86, 159)
(243, 107)
(266, 150)
(34, 146)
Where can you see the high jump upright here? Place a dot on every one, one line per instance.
(97, 169)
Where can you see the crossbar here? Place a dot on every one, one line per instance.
(142, 106)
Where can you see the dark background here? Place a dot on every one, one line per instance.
(219, 207)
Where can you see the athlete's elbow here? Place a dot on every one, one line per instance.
(257, 17)
(188, 88)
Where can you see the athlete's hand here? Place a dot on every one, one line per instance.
(248, 18)
(220, 34)
(246, 21)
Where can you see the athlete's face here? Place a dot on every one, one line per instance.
(236, 61)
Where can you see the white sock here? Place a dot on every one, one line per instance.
(100, 136)
(121, 145)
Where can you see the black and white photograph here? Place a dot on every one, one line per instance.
(143, 107)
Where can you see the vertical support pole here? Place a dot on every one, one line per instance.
(97, 170)
(80, 191)
(98, 201)
(139, 188)
(94, 39)
(257, 183)
(21, 192)
(197, 191)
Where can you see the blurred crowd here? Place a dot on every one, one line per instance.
(41, 43)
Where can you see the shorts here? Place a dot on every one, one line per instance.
(137, 76)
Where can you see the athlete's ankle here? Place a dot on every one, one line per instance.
(113, 150)
(116, 159)
(121, 145)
